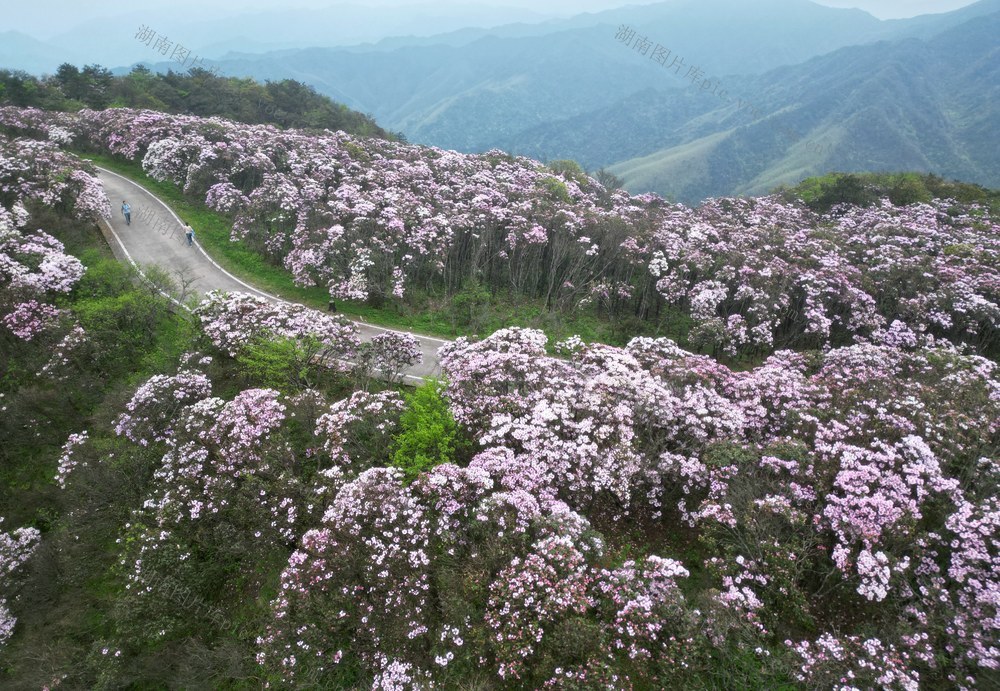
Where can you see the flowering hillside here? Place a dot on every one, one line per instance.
(377, 220)
(35, 271)
(638, 517)
(265, 507)
(34, 267)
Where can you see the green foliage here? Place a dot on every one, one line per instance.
(470, 307)
(286, 103)
(279, 363)
(104, 278)
(609, 180)
(135, 334)
(121, 329)
(556, 189)
(428, 433)
(569, 169)
(864, 189)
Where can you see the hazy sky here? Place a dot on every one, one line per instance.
(892, 9)
(53, 16)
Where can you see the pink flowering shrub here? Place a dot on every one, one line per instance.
(38, 171)
(447, 572)
(757, 273)
(229, 493)
(68, 461)
(389, 354)
(836, 464)
(36, 264)
(31, 318)
(830, 662)
(372, 220)
(530, 595)
(591, 425)
(233, 320)
(156, 405)
(357, 432)
(638, 517)
(816, 492)
(15, 549)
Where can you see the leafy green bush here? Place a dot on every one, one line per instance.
(121, 329)
(104, 278)
(428, 433)
(569, 169)
(277, 363)
(470, 307)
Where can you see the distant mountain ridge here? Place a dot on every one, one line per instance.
(568, 89)
(470, 95)
(928, 106)
(808, 89)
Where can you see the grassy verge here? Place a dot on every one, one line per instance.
(428, 315)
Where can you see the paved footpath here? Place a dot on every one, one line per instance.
(156, 236)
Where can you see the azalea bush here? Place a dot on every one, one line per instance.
(823, 513)
(35, 269)
(382, 221)
(629, 517)
(15, 549)
(820, 493)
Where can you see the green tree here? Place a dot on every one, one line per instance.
(569, 169)
(609, 180)
(98, 83)
(70, 80)
(470, 307)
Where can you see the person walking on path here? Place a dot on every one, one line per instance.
(189, 234)
(127, 212)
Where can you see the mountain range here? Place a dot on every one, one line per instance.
(807, 88)
(685, 98)
(927, 105)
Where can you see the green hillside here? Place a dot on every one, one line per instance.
(285, 102)
(866, 189)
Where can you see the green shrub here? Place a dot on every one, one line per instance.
(471, 307)
(428, 433)
(556, 189)
(104, 277)
(276, 363)
(569, 169)
(121, 329)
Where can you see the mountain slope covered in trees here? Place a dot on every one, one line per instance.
(285, 102)
(807, 89)
(469, 94)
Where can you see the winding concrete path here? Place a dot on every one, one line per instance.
(156, 236)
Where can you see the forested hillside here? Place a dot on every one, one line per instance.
(689, 99)
(286, 102)
(385, 222)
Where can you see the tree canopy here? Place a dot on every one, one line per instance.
(286, 103)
